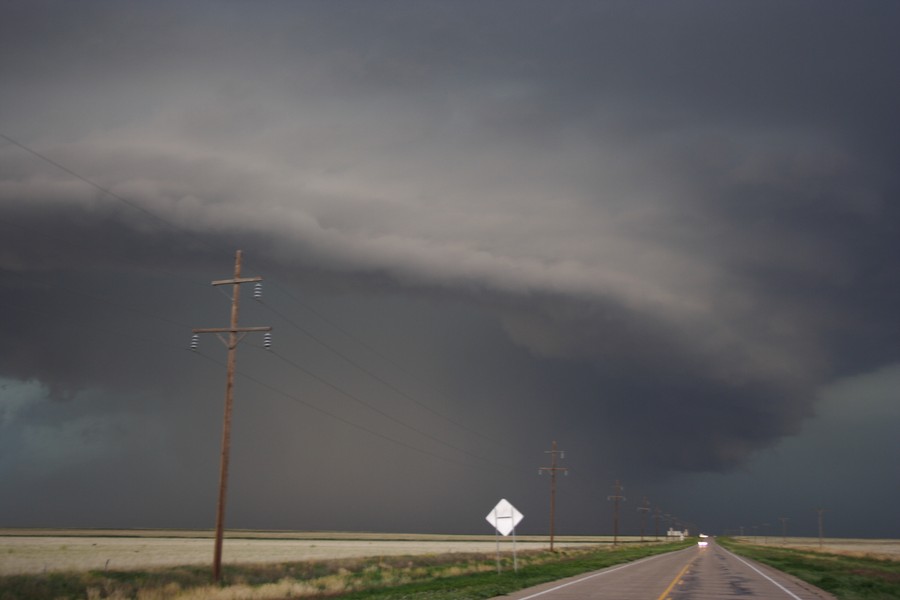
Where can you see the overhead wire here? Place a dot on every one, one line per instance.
(97, 186)
(374, 376)
(384, 414)
(77, 325)
(338, 418)
(331, 348)
(74, 324)
(120, 306)
(32, 231)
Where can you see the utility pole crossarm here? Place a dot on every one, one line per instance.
(236, 280)
(230, 329)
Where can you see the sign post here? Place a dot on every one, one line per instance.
(504, 517)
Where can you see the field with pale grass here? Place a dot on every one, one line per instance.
(876, 548)
(38, 551)
(29, 551)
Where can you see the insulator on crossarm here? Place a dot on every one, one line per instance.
(257, 291)
(267, 341)
(195, 341)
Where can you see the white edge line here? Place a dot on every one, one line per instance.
(603, 572)
(783, 589)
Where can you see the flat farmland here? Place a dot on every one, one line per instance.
(883, 548)
(28, 551)
(37, 551)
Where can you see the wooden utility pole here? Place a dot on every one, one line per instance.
(784, 521)
(616, 498)
(552, 469)
(644, 510)
(235, 335)
(821, 512)
(656, 516)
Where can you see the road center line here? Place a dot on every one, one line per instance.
(677, 578)
(619, 568)
(784, 589)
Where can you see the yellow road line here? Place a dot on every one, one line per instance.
(677, 578)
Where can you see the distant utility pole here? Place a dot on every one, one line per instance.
(616, 498)
(765, 533)
(644, 510)
(656, 516)
(784, 521)
(821, 512)
(235, 335)
(552, 469)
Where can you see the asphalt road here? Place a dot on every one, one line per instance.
(710, 573)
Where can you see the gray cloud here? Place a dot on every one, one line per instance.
(680, 215)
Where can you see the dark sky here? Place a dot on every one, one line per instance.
(664, 235)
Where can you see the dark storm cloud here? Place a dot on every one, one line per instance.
(681, 214)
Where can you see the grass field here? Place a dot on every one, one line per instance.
(849, 569)
(460, 574)
(42, 551)
(151, 565)
(889, 549)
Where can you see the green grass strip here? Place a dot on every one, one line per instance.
(475, 586)
(847, 577)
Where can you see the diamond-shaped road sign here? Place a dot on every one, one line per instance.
(504, 517)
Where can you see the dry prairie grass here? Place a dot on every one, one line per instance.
(49, 551)
(885, 549)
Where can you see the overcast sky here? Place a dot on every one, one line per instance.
(663, 234)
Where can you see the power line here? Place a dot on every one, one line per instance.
(104, 190)
(74, 323)
(77, 325)
(337, 418)
(373, 375)
(118, 305)
(385, 414)
(33, 231)
(195, 237)
(230, 344)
